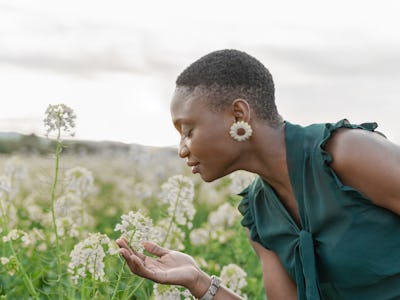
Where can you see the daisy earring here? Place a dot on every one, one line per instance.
(241, 131)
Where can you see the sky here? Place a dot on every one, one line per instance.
(115, 62)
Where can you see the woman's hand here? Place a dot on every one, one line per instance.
(169, 267)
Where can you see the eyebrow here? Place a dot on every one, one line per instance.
(179, 120)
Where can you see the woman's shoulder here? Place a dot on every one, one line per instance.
(316, 136)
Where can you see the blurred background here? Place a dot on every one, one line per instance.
(115, 62)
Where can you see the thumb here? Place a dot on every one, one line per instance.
(155, 249)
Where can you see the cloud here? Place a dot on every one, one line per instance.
(355, 61)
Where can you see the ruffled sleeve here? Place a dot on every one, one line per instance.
(330, 128)
(248, 215)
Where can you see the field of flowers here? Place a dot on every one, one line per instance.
(61, 214)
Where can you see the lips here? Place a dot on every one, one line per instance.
(194, 166)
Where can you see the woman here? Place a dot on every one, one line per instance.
(323, 215)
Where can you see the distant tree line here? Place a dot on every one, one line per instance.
(34, 144)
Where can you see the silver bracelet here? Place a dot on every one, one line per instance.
(212, 290)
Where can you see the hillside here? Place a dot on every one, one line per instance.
(11, 143)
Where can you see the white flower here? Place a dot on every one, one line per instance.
(210, 193)
(8, 212)
(199, 236)
(218, 225)
(71, 214)
(234, 278)
(42, 247)
(15, 169)
(69, 204)
(66, 226)
(5, 184)
(240, 180)
(79, 181)
(225, 216)
(10, 264)
(59, 117)
(178, 193)
(113, 248)
(87, 258)
(4, 260)
(26, 240)
(169, 235)
(13, 235)
(170, 292)
(14, 173)
(136, 228)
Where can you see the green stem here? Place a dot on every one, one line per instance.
(4, 220)
(83, 290)
(53, 214)
(172, 218)
(122, 269)
(118, 280)
(136, 288)
(27, 280)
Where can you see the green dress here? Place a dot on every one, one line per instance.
(346, 247)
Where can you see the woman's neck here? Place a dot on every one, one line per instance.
(267, 155)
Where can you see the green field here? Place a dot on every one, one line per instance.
(91, 193)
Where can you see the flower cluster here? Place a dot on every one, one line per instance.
(79, 181)
(59, 118)
(10, 181)
(217, 227)
(170, 292)
(70, 216)
(15, 234)
(224, 217)
(178, 193)
(33, 239)
(234, 278)
(70, 209)
(10, 264)
(15, 169)
(87, 257)
(5, 185)
(68, 205)
(169, 235)
(199, 236)
(136, 228)
(240, 180)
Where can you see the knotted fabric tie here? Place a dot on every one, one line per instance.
(306, 272)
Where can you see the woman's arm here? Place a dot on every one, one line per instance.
(369, 163)
(277, 282)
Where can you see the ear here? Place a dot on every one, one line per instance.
(241, 110)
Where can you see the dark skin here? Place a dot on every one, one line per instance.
(363, 160)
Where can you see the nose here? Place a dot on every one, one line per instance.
(183, 150)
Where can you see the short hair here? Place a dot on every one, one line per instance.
(226, 75)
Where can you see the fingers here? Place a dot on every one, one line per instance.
(135, 263)
(123, 244)
(153, 248)
(150, 247)
(138, 266)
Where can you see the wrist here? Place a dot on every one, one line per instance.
(213, 289)
(201, 285)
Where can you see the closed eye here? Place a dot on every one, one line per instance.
(189, 134)
(187, 131)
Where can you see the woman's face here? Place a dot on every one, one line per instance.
(205, 141)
